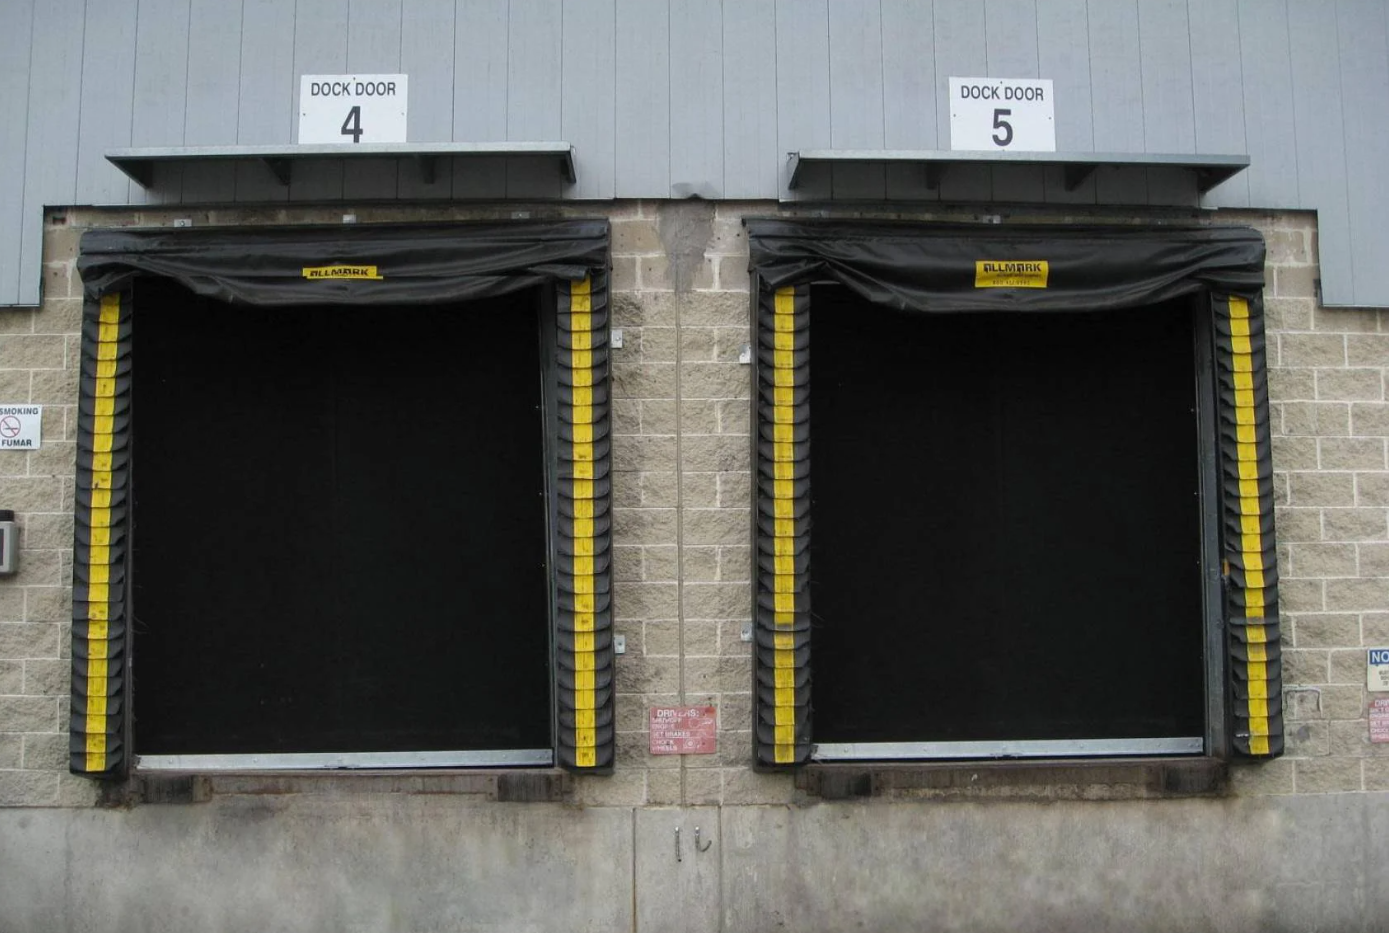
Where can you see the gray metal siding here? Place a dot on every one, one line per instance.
(704, 98)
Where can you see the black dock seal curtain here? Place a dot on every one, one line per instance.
(953, 269)
(354, 265)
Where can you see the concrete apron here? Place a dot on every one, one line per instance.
(430, 862)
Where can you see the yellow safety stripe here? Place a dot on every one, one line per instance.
(98, 556)
(784, 526)
(582, 493)
(1251, 541)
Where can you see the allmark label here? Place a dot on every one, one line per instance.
(341, 272)
(1011, 274)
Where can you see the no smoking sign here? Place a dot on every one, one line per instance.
(20, 427)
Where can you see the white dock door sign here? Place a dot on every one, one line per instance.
(1002, 115)
(351, 109)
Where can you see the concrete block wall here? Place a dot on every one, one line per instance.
(682, 504)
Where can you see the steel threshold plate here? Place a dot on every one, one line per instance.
(1042, 748)
(310, 761)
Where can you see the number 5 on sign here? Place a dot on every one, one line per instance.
(348, 109)
(997, 114)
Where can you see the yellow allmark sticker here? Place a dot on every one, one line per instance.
(990, 274)
(341, 272)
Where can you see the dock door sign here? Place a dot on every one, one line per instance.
(1002, 115)
(351, 109)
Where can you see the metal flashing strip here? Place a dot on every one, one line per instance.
(1210, 170)
(313, 761)
(1030, 748)
(140, 163)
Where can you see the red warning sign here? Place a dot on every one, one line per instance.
(1379, 719)
(684, 730)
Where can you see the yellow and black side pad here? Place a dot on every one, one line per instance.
(781, 655)
(1249, 549)
(583, 528)
(97, 729)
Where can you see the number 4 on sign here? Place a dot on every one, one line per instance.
(352, 126)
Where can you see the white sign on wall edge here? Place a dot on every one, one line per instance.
(1377, 670)
(1002, 115)
(347, 109)
(21, 427)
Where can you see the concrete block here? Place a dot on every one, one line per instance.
(716, 380)
(34, 494)
(1295, 281)
(1343, 701)
(11, 609)
(644, 453)
(659, 563)
(1374, 628)
(627, 563)
(55, 458)
(625, 788)
(11, 678)
(20, 640)
(716, 309)
(1321, 489)
(1369, 419)
(46, 751)
(1373, 559)
(735, 417)
(46, 529)
(1348, 666)
(659, 490)
(644, 526)
(1346, 320)
(700, 563)
(643, 380)
(658, 344)
(731, 641)
(1358, 524)
(28, 714)
(1351, 739)
(1294, 453)
(729, 343)
(47, 677)
(1327, 630)
(697, 344)
(715, 453)
(635, 238)
(626, 416)
(27, 789)
(1376, 774)
(735, 564)
(698, 490)
(16, 321)
(1295, 524)
(1301, 350)
(717, 526)
(717, 601)
(1372, 489)
(1350, 384)
(1322, 560)
(1327, 419)
(666, 788)
(1296, 595)
(735, 490)
(58, 316)
(1367, 350)
(23, 351)
(1287, 247)
(645, 601)
(14, 383)
(1268, 777)
(1351, 453)
(626, 490)
(39, 567)
(1306, 739)
(1291, 385)
(699, 416)
(57, 281)
(653, 675)
(733, 275)
(700, 639)
(1303, 666)
(1326, 775)
(703, 786)
(1356, 595)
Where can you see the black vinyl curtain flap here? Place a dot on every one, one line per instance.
(954, 268)
(351, 263)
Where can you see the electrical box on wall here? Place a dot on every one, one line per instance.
(7, 542)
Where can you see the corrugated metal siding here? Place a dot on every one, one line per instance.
(705, 98)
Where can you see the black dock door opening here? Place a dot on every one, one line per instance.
(339, 527)
(1007, 524)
